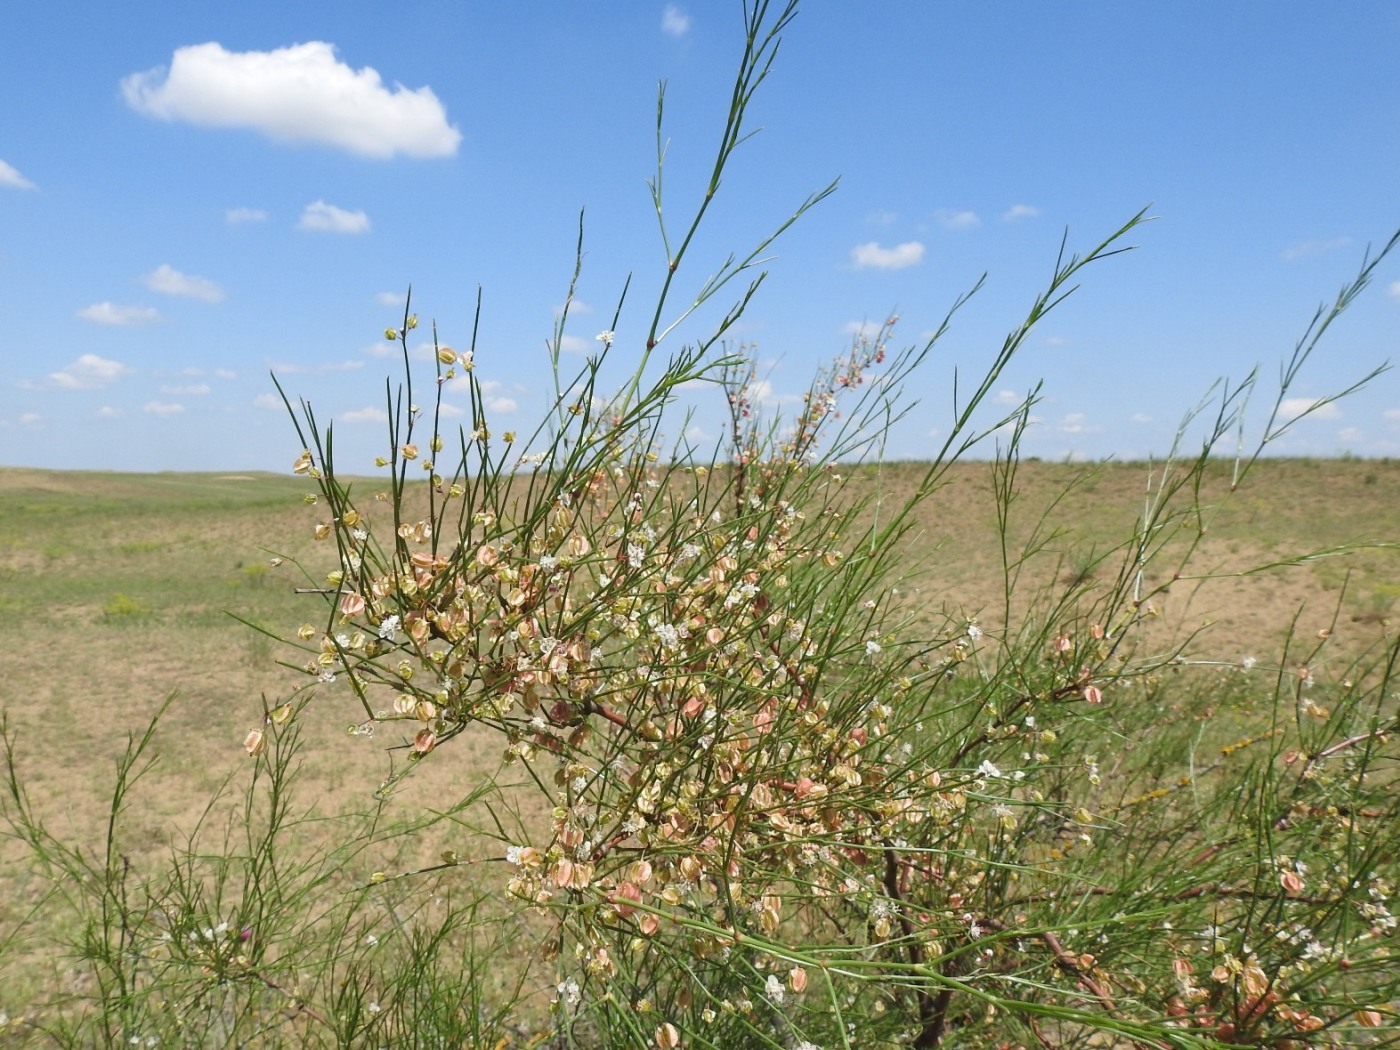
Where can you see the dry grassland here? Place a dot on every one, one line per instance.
(116, 591)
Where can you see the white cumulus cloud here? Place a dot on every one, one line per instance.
(158, 408)
(872, 257)
(238, 215)
(194, 389)
(327, 218)
(501, 404)
(10, 176)
(674, 21)
(369, 414)
(1293, 407)
(957, 220)
(87, 373)
(169, 281)
(121, 316)
(1394, 290)
(269, 401)
(301, 93)
(1020, 211)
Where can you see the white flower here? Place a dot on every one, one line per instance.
(774, 990)
(974, 632)
(570, 991)
(986, 769)
(872, 647)
(606, 338)
(387, 628)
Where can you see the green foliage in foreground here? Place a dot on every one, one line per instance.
(749, 795)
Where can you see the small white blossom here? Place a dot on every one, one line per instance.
(387, 628)
(606, 337)
(774, 990)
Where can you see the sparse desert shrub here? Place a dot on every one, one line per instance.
(749, 794)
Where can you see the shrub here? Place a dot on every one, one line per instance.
(751, 793)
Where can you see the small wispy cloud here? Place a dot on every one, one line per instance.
(160, 408)
(1139, 418)
(1303, 249)
(882, 218)
(193, 390)
(169, 281)
(368, 414)
(1077, 423)
(108, 412)
(1394, 290)
(10, 176)
(1391, 416)
(501, 404)
(301, 93)
(88, 372)
(327, 218)
(871, 256)
(572, 344)
(293, 368)
(1295, 407)
(1006, 398)
(390, 299)
(119, 316)
(269, 401)
(762, 391)
(1019, 211)
(861, 329)
(950, 219)
(674, 21)
(234, 216)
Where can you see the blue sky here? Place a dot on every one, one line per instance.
(192, 195)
